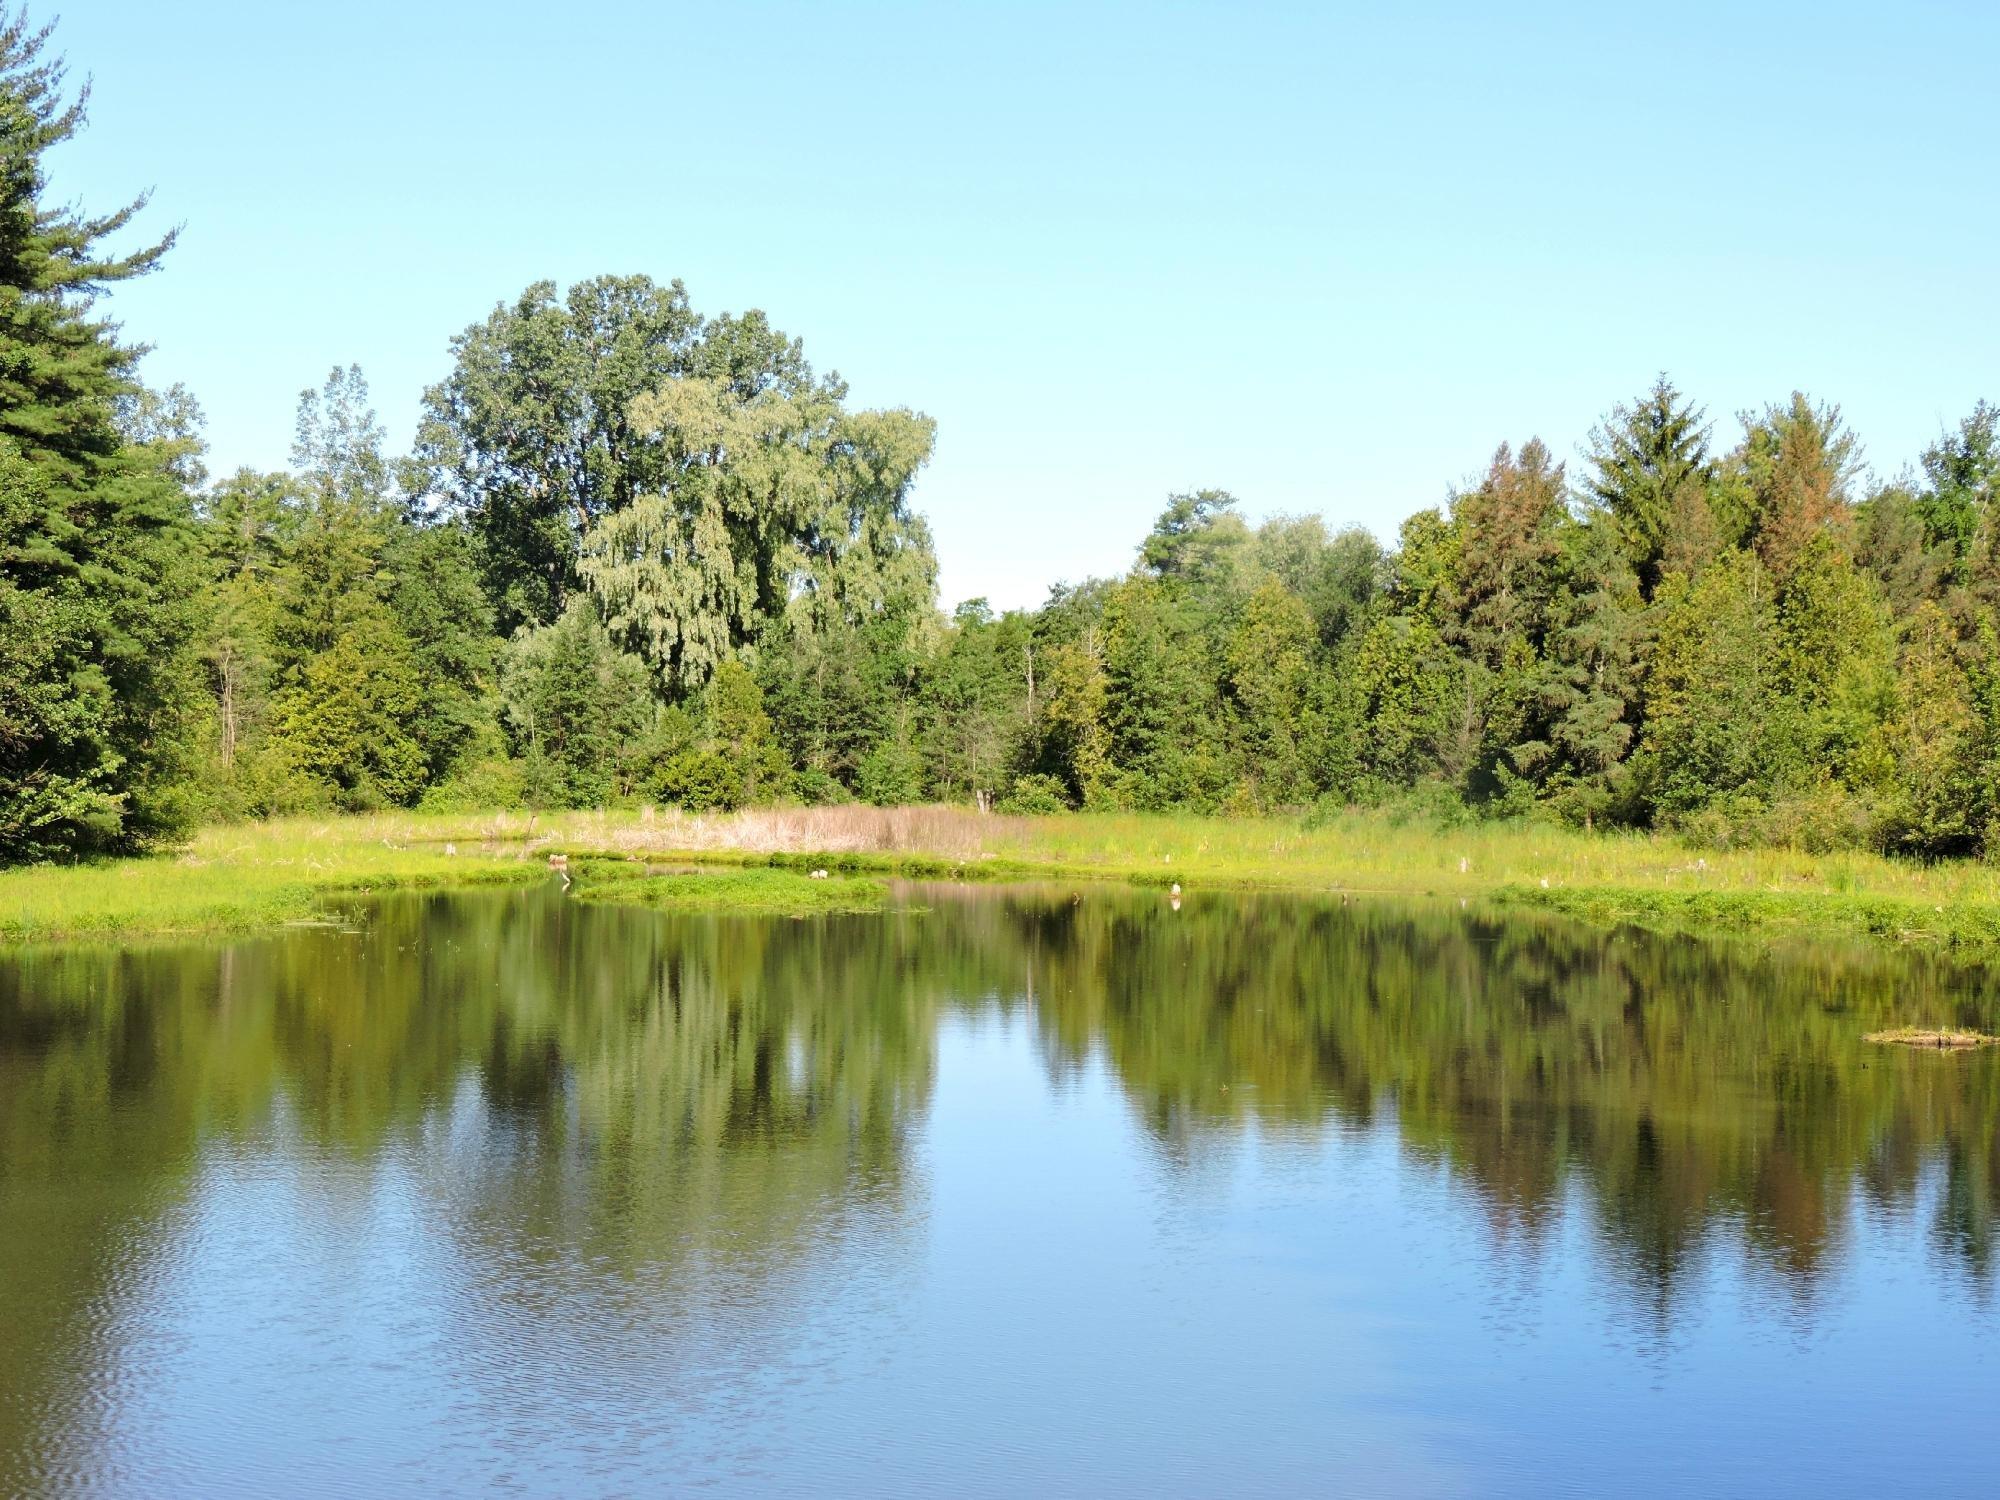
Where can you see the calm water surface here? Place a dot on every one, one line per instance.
(1030, 1192)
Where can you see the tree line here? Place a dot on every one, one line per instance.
(642, 554)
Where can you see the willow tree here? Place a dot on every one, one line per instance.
(771, 506)
(531, 438)
(692, 476)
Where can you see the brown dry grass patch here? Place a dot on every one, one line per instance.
(1941, 1039)
(945, 832)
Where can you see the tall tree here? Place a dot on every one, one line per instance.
(1797, 463)
(98, 569)
(1510, 535)
(1963, 473)
(1580, 710)
(1196, 537)
(1708, 686)
(772, 505)
(575, 704)
(532, 438)
(1269, 666)
(1648, 463)
(1940, 801)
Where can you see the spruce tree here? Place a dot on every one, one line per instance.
(97, 564)
(1649, 465)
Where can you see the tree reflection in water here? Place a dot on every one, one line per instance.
(669, 1109)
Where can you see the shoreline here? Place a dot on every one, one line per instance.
(247, 877)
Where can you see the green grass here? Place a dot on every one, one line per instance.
(764, 892)
(1891, 917)
(230, 879)
(281, 871)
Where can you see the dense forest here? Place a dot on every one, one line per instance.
(639, 554)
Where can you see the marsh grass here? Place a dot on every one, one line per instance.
(260, 873)
(758, 892)
(252, 875)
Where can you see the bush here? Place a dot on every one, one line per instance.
(475, 786)
(890, 775)
(700, 781)
(817, 788)
(1035, 796)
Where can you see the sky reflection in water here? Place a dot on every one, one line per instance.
(1032, 1190)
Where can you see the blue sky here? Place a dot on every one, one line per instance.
(1324, 256)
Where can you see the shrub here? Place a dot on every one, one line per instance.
(1034, 795)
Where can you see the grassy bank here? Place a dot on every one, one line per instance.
(1607, 878)
(230, 879)
(274, 872)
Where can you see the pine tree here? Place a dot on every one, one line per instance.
(1649, 465)
(1796, 462)
(98, 569)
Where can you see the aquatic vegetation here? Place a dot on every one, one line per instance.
(757, 892)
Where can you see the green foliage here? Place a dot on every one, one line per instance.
(1270, 665)
(1796, 464)
(735, 761)
(1075, 739)
(1649, 467)
(1939, 801)
(694, 476)
(1035, 795)
(1411, 693)
(576, 706)
(892, 773)
(436, 599)
(643, 554)
(1196, 537)
(344, 720)
(98, 572)
(973, 702)
(1165, 726)
(1963, 470)
(1707, 686)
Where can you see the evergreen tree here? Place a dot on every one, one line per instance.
(1795, 466)
(98, 572)
(1649, 466)
(1582, 706)
(576, 706)
(1708, 687)
(1963, 473)
(1940, 802)
(441, 610)
(1893, 545)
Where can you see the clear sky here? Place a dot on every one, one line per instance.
(1325, 256)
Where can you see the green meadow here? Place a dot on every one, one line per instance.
(294, 870)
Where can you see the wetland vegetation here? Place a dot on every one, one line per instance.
(645, 557)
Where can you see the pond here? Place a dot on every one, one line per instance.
(1013, 1190)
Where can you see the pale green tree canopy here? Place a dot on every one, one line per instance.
(769, 505)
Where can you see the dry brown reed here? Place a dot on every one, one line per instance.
(942, 832)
